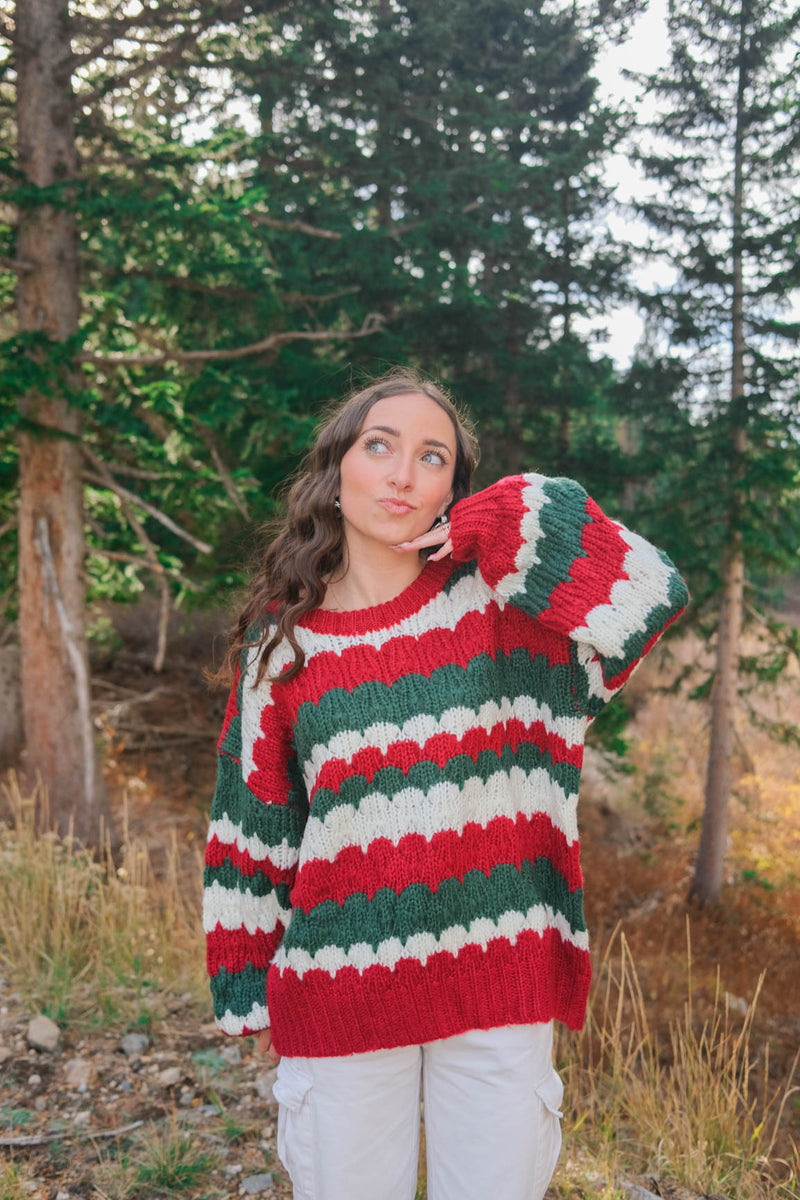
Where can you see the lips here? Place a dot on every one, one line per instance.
(398, 507)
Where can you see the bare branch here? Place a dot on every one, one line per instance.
(222, 470)
(15, 264)
(8, 526)
(105, 479)
(372, 323)
(293, 226)
(71, 640)
(44, 1140)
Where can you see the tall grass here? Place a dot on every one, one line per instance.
(93, 940)
(692, 1104)
(108, 941)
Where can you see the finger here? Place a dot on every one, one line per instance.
(432, 537)
(442, 552)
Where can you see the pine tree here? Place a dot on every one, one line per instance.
(726, 162)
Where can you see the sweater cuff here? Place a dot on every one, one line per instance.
(489, 522)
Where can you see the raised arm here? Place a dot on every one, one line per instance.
(257, 819)
(544, 546)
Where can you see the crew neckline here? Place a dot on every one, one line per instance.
(430, 580)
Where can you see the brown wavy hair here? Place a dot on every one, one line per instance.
(291, 572)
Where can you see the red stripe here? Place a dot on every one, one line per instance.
(442, 747)
(448, 854)
(488, 526)
(217, 851)
(536, 979)
(591, 577)
(233, 949)
(488, 632)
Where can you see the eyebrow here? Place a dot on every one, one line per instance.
(396, 433)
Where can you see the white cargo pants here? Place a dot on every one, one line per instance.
(348, 1128)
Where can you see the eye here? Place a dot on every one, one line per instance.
(434, 458)
(375, 445)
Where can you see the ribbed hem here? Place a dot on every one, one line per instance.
(537, 979)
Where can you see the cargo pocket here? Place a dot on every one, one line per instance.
(295, 1134)
(550, 1091)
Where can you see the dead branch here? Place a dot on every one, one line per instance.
(20, 266)
(105, 479)
(72, 640)
(223, 472)
(83, 1134)
(126, 500)
(293, 226)
(8, 526)
(372, 323)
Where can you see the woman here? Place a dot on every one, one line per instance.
(393, 886)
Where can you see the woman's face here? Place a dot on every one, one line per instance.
(397, 477)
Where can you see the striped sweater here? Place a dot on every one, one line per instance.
(393, 851)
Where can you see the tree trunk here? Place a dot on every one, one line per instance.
(710, 864)
(55, 675)
(709, 868)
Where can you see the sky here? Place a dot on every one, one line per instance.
(646, 50)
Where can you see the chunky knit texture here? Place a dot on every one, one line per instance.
(393, 852)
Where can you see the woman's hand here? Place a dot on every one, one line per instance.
(440, 533)
(264, 1046)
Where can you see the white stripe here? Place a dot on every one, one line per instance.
(233, 909)
(456, 721)
(534, 499)
(443, 611)
(608, 626)
(257, 1018)
(593, 668)
(420, 946)
(445, 807)
(283, 855)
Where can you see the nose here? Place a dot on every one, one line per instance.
(401, 475)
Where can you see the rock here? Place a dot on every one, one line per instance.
(43, 1034)
(5, 1054)
(257, 1183)
(232, 1055)
(264, 1083)
(134, 1044)
(736, 1004)
(34, 1080)
(186, 1099)
(170, 1076)
(78, 1073)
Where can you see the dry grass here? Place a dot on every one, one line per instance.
(692, 1105)
(90, 941)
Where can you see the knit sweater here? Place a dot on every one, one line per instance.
(393, 852)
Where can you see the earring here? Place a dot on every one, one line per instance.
(440, 520)
(337, 505)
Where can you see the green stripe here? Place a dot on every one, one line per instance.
(238, 991)
(486, 677)
(458, 770)
(657, 619)
(228, 876)
(562, 522)
(269, 822)
(232, 742)
(419, 910)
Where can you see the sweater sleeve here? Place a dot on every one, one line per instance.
(543, 545)
(258, 814)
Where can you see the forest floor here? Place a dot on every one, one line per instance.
(178, 1109)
